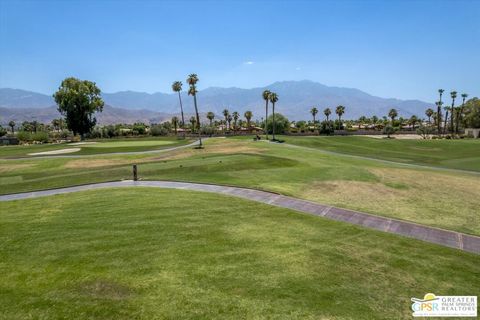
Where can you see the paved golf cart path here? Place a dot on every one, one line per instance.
(442, 237)
(192, 144)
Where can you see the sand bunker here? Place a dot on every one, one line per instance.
(80, 143)
(61, 151)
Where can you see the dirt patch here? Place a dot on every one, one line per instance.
(61, 151)
(94, 163)
(396, 136)
(106, 289)
(12, 167)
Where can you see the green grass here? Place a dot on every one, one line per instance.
(151, 254)
(100, 146)
(441, 199)
(463, 154)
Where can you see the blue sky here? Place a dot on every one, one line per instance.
(400, 49)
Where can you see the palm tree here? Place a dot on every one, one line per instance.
(460, 112)
(314, 112)
(327, 112)
(439, 109)
(453, 94)
(273, 97)
(193, 121)
(210, 116)
(175, 124)
(340, 110)
(248, 115)
(192, 81)
(429, 114)
(413, 121)
(229, 121)
(177, 87)
(11, 124)
(446, 108)
(226, 114)
(266, 97)
(235, 120)
(392, 114)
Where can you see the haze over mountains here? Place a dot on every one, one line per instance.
(296, 98)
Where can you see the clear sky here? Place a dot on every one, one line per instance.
(399, 49)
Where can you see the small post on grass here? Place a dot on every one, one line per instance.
(135, 176)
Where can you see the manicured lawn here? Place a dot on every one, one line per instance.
(96, 146)
(142, 253)
(442, 199)
(461, 154)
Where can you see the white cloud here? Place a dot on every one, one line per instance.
(248, 63)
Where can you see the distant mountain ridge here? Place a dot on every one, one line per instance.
(296, 98)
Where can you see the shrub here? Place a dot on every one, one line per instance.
(388, 130)
(327, 127)
(158, 130)
(3, 131)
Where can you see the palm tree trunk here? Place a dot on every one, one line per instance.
(198, 121)
(445, 122)
(181, 111)
(273, 118)
(451, 119)
(266, 117)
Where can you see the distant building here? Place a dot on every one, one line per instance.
(472, 132)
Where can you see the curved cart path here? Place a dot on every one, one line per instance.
(430, 234)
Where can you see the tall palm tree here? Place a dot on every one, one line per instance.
(340, 110)
(210, 116)
(192, 82)
(314, 112)
(273, 98)
(235, 120)
(327, 112)
(392, 114)
(266, 97)
(177, 87)
(460, 112)
(248, 115)
(226, 114)
(439, 109)
(453, 94)
(229, 121)
(11, 124)
(175, 124)
(429, 114)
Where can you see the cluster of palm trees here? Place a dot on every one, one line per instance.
(234, 116)
(192, 80)
(456, 113)
(339, 110)
(271, 97)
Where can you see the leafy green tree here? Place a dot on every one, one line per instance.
(361, 121)
(3, 131)
(392, 114)
(192, 82)
(460, 112)
(340, 110)
(210, 116)
(327, 112)
(177, 87)
(429, 114)
(273, 97)
(472, 113)
(266, 97)
(78, 100)
(413, 121)
(327, 127)
(248, 115)
(388, 130)
(281, 124)
(11, 124)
